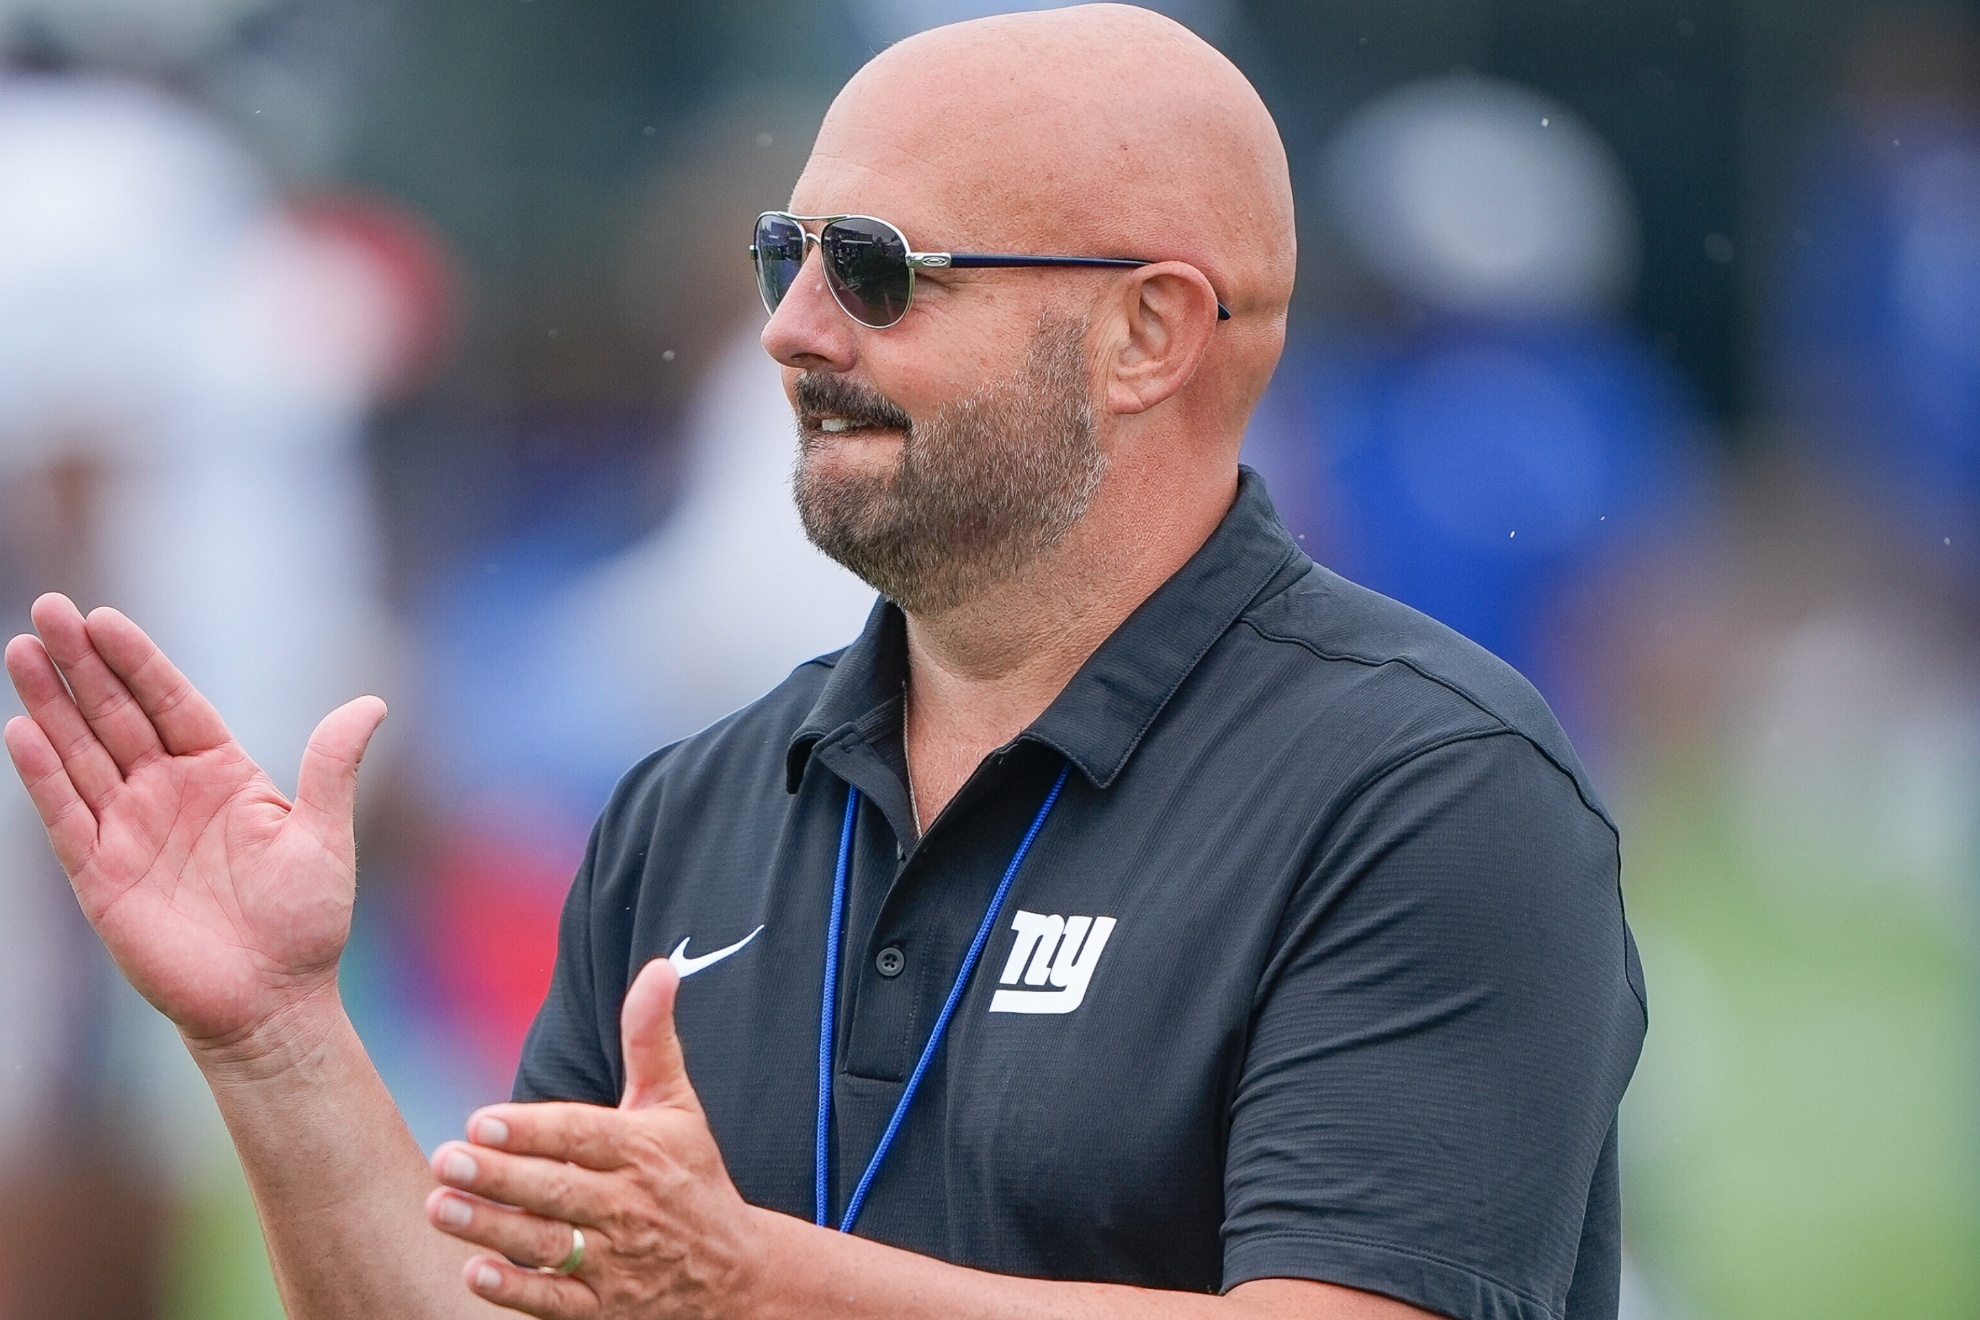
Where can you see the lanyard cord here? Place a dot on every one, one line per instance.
(827, 1015)
(823, 1194)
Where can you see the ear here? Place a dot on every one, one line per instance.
(1167, 312)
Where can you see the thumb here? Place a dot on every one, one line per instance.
(326, 786)
(656, 1070)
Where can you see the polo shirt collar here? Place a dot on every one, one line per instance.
(868, 676)
(1097, 721)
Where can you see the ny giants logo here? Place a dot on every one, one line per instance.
(1059, 951)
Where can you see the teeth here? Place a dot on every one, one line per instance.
(833, 424)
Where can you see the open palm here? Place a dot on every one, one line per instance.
(221, 900)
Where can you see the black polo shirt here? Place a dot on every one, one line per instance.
(1316, 970)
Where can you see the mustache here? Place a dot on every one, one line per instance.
(821, 394)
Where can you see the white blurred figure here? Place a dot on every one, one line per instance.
(1481, 197)
(1858, 756)
(163, 322)
(716, 607)
(198, 368)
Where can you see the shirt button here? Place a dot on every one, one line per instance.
(890, 961)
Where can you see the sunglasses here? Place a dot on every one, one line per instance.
(868, 266)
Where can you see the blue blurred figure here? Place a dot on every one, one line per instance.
(1876, 334)
(1507, 440)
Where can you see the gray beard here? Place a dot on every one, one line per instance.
(982, 488)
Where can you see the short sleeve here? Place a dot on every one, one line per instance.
(1441, 1038)
(565, 1056)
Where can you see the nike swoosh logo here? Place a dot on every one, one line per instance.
(685, 966)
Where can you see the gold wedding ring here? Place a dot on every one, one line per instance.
(570, 1262)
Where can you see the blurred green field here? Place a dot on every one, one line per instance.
(1799, 1138)
(219, 1267)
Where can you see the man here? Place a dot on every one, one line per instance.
(1135, 920)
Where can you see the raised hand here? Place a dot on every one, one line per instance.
(223, 902)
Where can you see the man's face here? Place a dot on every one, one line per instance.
(972, 492)
(942, 454)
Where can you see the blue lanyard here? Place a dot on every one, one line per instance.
(828, 1013)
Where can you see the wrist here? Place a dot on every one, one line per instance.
(293, 1030)
(776, 1251)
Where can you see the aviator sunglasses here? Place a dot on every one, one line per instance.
(868, 266)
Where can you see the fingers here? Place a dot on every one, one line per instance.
(71, 825)
(116, 719)
(547, 1296)
(527, 1239)
(184, 720)
(586, 1135)
(326, 786)
(656, 1070)
(548, 1187)
(88, 765)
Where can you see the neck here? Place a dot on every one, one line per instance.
(980, 673)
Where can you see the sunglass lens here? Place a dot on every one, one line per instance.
(779, 257)
(866, 262)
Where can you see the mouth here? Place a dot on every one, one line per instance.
(835, 425)
(828, 405)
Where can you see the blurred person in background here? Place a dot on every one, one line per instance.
(1493, 444)
(1806, 837)
(185, 366)
(547, 679)
(1874, 350)
(1875, 334)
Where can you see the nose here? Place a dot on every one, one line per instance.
(808, 330)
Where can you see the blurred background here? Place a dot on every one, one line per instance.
(408, 346)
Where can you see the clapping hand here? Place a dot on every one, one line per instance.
(664, 1230)
(222, 901)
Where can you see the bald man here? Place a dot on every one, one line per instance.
(1136, 919)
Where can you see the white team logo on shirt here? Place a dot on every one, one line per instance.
(1061, 951)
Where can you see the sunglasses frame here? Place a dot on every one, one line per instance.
(916, 261)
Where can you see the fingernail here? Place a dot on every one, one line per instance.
(488, 1278)
(490, 1131)
(454, 1212)
(457, 1167)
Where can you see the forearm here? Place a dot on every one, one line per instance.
(816, 1273)
(337, 1179)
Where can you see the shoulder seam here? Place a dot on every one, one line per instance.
(1269, 593)
(1499, 720)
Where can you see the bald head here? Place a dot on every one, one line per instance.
(1021, 437)
(1101, 130)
